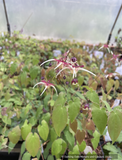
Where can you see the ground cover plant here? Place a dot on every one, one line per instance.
(59, 102)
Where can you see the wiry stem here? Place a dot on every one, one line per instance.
(47, 61)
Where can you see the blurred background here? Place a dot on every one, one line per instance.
(80, 20)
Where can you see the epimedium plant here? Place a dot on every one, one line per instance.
(61, 110)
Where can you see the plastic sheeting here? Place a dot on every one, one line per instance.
(81, 20)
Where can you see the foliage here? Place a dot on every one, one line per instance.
(70, 106)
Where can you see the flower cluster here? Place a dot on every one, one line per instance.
(64, 63)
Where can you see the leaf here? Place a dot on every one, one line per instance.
(34, 72)
(43, 130)
(69, 137)
(77, 93)
(59, 119)
(26, 156)
(73, 154)
(90, 125)
(56, 147)
(6, 120)
(25, 129)
(99, 118)
(80, 80)
(108, 106)
(95, 140)
(92, 156)
(14, 135)
(46, 151)
(93, 97)
(22, 148)
(53, 134)
(1, 86)
(73, 109)
(32, 143)
(50, 157)
(80, 135)
(13, 68)
(60, 100)
(116, 84)
(82, 146)
(114, 125)
(46, 117)
(73, 125)
(10, 147)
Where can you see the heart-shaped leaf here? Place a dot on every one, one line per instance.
(14, 135)
(80, 135)
(43, 130)
(73, 125)
(32, 143)
(59, 119)
(100, 118)
(114, 125)
(25, 130)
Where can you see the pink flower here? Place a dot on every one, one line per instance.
(46, 84)
(107, 47)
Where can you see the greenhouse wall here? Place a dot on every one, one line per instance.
(81, 20)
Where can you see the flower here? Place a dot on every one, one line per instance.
(74, 81)
(107, 47)
(46, 84)
(73, 59)
(59, 62)
(75, 69)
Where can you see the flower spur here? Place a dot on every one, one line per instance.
(46, 84)
(75, 69)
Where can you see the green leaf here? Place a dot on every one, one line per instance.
(43, 130)
(77, 93)
(6, 120)
(69, 137)
(53, 134)
(22, 148)
(34, 72)
(58, 147)
(82, 146)
(14, 135)
(46, 151)
(25, 129)
(1, 86)
(74, 153)
(32, 143)
(10, 147)
(73, 109)
(119, 139)
(60, 100)
(13, 68)
(80, 80)
(50, 157)
(93, 97)
(114, 125)
(92, 156)
(46, 117)
(100, 118)
(59, 119)
(108, 106)
(26, 156)
(96, 139)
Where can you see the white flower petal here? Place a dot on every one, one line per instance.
(38, 83)
(54, 89)
(86, 71)
(47, 61)
(43, 91)
(58, 65)
(62, 70)
(100, 48)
